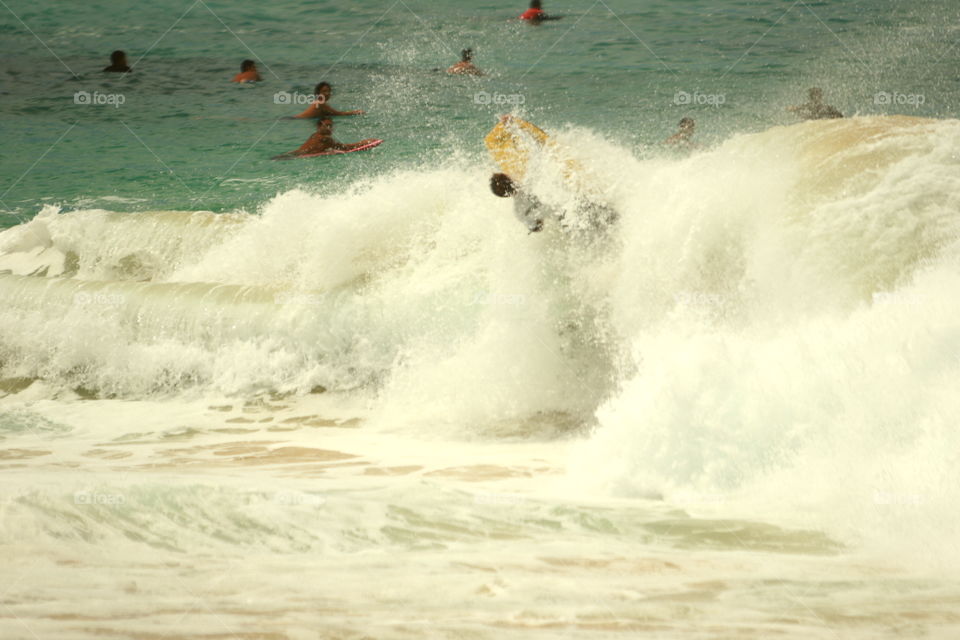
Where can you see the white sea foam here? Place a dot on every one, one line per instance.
(772, 318)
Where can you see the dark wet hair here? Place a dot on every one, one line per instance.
(118, 57)
(502, 185)
(321, 85)
(466, 55)
(535, 4)
(246, 65)
(687, 122)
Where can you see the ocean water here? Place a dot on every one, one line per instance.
(352, 397)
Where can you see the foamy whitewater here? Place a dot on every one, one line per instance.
(386, 411)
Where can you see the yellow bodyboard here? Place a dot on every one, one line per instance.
(512, 143)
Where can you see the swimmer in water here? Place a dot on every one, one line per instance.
(814, 108)
(322, 140)
(248, 72)
(465, 66)
(321, 108)
(118, 63)
(535, 14)
(682, 138)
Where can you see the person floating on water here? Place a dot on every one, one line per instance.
(527, 207)
(535, 14)
(815, 109)
(248, 72)
(118, 63)
(683, 137)
(465, 66)
(322, 140)
(321, 108)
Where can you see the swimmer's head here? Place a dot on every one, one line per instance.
(466, 55)
(248, 65)
(816, 94)
(535, 4)
(502, 185)
(323, 89)
(118, 58)
(687, 124)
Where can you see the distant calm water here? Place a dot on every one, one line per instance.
(353, 397)
(186, 138)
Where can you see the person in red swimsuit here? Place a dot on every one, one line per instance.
(535, 14)
(465, 66)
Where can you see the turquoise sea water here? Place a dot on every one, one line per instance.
(186, 138)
